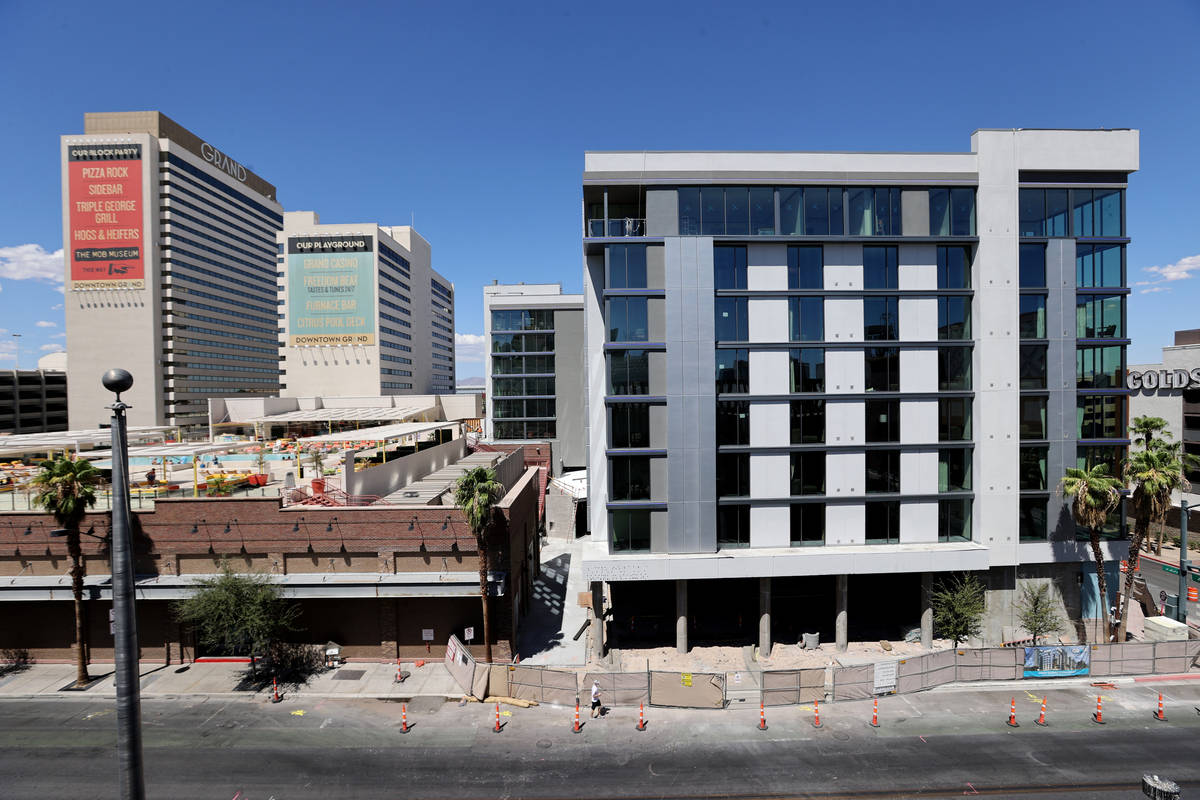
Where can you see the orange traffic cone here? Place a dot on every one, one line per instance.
(762, 716)
(1098, 717)
(275, 691)
(875, 713)
(1160, 715)
(404, 718)
(1041, 720)
(497, 728)
(576, 728)
(1012, 714)
(641, 726)
(816, 713)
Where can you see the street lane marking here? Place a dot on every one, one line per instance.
(298, 712)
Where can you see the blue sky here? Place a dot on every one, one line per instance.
(472, 118)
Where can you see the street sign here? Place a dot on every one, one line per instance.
(885, 677)
(685, 678)
(112, 623)
(468, 634)
(427, 634)
(1170, 569)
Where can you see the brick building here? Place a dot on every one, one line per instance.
(371, 578)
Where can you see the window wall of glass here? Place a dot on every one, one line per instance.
(1078, 212)
(820, 211)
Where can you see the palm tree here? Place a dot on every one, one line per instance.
(1187, 461)
(1094, 494)
(66, 488)
(1153, 473)
(476, 493)
(1143, 430)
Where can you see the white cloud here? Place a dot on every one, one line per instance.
(1154, 289)
(52, 348)
(59, 336)
(45, 323)
(1179, 271)
(56, 307)
(31, 262)
(468, 347)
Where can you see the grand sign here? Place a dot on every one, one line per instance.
(105, 216)
(1163, 379)
(222, 162)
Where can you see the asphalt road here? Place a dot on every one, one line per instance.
(938, 744)
(1159, 580)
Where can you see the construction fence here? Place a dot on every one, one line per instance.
(784, 687)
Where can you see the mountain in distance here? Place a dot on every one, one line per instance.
(472, 382)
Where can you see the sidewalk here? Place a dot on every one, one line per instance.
(370, 681)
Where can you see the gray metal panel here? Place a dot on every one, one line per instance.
(656, 316)
(1061, 406)
(914, 212)
(569, 389)
(662, 212)
(658, 479)
(655, 277)
(658, 426)
(658, 532)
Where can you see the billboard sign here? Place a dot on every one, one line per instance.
(331, 291)
(105, 215)
(1057, 661)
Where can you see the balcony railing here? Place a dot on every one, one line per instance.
(626, 226)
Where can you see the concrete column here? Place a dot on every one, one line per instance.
(927, 610)
(681, 616)
(601, 646)
(842, 627)
(764, 616)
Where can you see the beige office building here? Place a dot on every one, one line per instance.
(170, 271)
(361, 311)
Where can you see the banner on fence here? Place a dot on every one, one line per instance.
(1056, 661)
(885, 677)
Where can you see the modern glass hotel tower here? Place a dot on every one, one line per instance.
(816, 381)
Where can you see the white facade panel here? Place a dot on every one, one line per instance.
(844, 371)
(918, 319)
(843, 267)
(918, 421)
(770, 526)
(918, 267)
(919, 472)
(844, 319)
(918, 370)
(770, 475)
(769, 372)
(768, 319)
(845, 473)
(845, 422)
(845, 524)
(770, 424)
(918, 522)
(766, 267)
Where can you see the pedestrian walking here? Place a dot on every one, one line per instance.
(596, 707)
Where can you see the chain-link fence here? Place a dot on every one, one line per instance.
(687, 689)
(543, 684)
(620, 688)
(925, 672)
(854, 683)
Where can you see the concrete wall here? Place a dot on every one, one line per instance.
(386, 478)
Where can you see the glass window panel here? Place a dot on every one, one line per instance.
(882, 369)
(1033, 417)
(630, 372)
(954, 318)
(630, 530)
(733, 474)
(1081, 213)
(1032, 475)
(883, 420)
(882, 471)
(806, 269)
(954, 267)
(762, 211)
(954, 368)
(883, 522)
(689, 211)
(808, 525)
(1033, 316)
(1032, 212)
(732, 323)
(1109, 259)
(860, 203)
(733, 422)
(733, 371)
(791, 211)
(816, 212)
(733, 526)
(1033, 366)
(636, 266)
(954, 419)
(631, 425)
(1099, 367)
(712, 211)
(729, 267)
(1032, 523)
(1101, 417)
(962, 212)
(808, 473)
(835, 212)
(880, 267)
(808, 370)
(1032, 266)
(939, 212)
(954, 520)
(1109, 455)
(1108, 212)
(954, 469)
(1056, 212)
(737, 211)
(1099, 316)
(883, 212)
(881, 318)
(631, 477)
(808, 421)
(806, 319)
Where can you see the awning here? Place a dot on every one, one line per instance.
(23, 443)
(352, 414)
(380, 433)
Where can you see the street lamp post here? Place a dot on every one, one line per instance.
(17, 350)
(129, 710)
(1181, 607)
